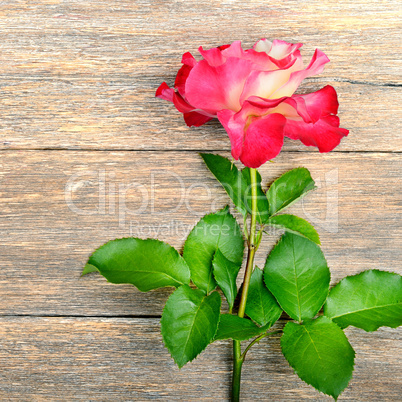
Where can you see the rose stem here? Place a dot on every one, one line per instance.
(238, 358)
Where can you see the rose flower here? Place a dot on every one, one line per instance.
(251, 92)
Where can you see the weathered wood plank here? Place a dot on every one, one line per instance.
(83, 75)
(106, 39)
(58, 206)
(123, 114)
(66, 359)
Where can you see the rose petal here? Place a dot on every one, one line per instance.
(214, 56)
(263, 140)
(181, 104)
(195, 119)
(169, 94)
(280, 53)
(164, 92)
(188, 59)
(217, 56)
(316, 104)
(260, 60)
(318, 125)
(321, 134)
(264, 83)
(316, 66)
(233, 50)
(236, 124)
(263, 45)
(192, 117)
(235, 130)
(256, 106)
(281, 49)
(217, 88)
(181, 78)
(256, 142)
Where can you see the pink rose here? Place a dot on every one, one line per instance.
(251, 92)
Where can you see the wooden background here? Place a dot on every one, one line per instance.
(88, 154)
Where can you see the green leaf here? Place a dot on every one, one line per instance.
(189, 322)
(146, 264)
(285, 190)
(88, 269)
(297, 274)
(295, 225)
(239, 329)
(262, 200)
(229, 176)
(218, 231)
(225, 273)
(261, 304)
(237, 184)
(320, 353)
(369, 300)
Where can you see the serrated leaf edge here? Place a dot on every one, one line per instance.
(356, 311)
(293, 231)
(270, 323)
(224, 211)
(296, 372)
(242, 211)
(231, 284)
(298, 198)
(147, 239)
(212, 339)
(300, 319)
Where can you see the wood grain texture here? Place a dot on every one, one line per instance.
(64, 359)
(124, 114)
(74, 72)
(106, 39)
(79, 78)
(58, 206)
